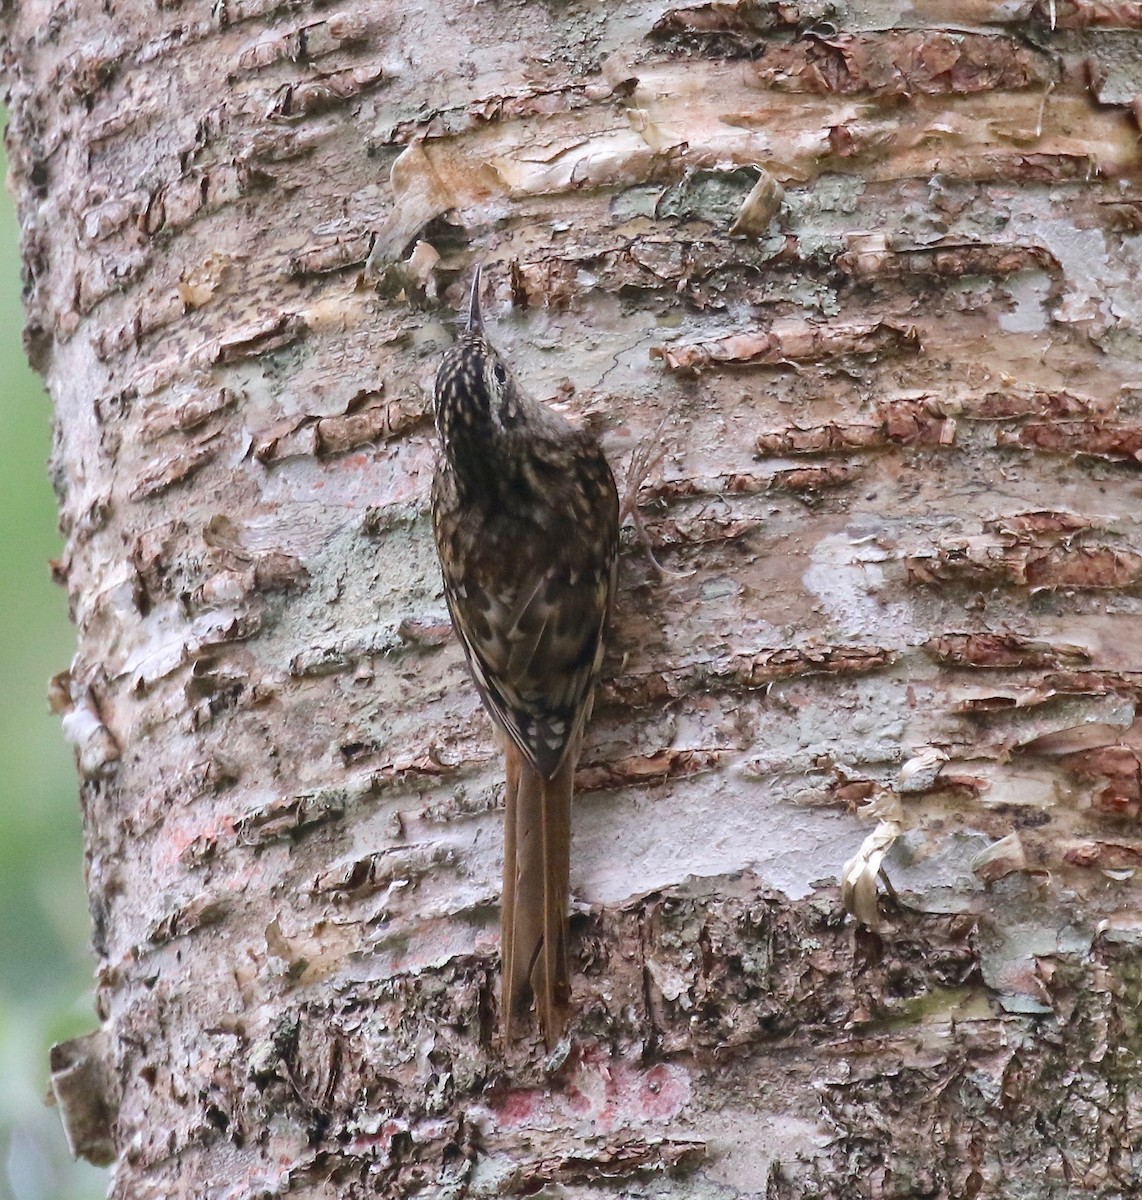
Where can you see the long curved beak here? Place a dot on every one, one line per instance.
(475, 318)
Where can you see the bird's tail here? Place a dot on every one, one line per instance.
(533, 915)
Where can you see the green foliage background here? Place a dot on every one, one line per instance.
(45, 964)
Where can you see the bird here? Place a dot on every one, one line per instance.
(525, 514)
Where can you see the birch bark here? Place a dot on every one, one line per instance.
(858, 286)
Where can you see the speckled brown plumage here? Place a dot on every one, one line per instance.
(525, 513)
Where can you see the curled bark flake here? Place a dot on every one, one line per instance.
(133, 111)
(202, 911)
(420, 194)
(366, 423)
(762, 669)
(647, 768)
(423, 634)
(243, 574)
(810, 480)
(317, 661)
(719, 195)
(101, 220)
(1107, 701)
(916, 423)
(903, 422)
(820, 439)
(156, 310)
(1115, 771)
(681, 532)
(257, 338)
(82, 725)
(614, 1158)
(1058, 167)
(201, 280)
(276, 571)
(864, 139)
(666, 491)
(996, 650)
(1117, 442)
(89, 70)
(554, 283)
(95, 746)
(285, 817)
(274, 144)
(382, 519)
(151, 558)
(621, 77)
(176, 204)
(805, 480)
(1000, 859)
(741, 671)
(978, 560)
(408, 769)
(336, 252)
(541, 102)
(991, 560)
(641, 690)
(363, 877)
(871, 256)
(412, 280)
(859, 875)
(1097, 683)
(705, 274)
(1023, 403)
(1076, 739)
(289, 437)
(793, 341)
(522, 104)
(985, 702)
(306, 43)
(851, 793)
(296, 101)
(103, 277)
(1085, 567)
(903, 63)
(729, 27)
(921, 773)
(1088, 14)
(173, 643)
(185, 412)
(758, 208)
(234, 12)
(174, 468)
(1042, 525)
(1106, 856)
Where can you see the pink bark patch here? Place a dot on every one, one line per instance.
(518, 1107)
(601, 1093)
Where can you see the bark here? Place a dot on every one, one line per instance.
(851, 293)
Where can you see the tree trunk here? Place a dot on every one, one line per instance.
(885, 431)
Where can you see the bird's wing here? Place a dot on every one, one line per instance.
(535, 650)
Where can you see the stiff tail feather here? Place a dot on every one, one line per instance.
(533, 915)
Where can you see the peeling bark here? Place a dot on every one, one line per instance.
(851, 296)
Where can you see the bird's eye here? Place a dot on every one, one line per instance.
(501, 374)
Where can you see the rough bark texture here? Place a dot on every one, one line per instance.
(901, 411)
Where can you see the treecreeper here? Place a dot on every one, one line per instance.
(526, 517)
